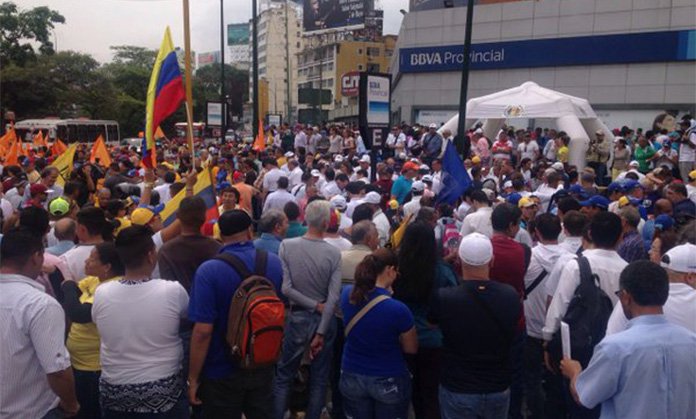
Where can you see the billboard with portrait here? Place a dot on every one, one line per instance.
(328, 15)
(418, 5)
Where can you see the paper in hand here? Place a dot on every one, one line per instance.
(565, 340)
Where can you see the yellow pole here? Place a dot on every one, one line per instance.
(187, 64)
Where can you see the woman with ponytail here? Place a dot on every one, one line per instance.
(379, 330)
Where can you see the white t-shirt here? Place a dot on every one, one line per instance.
(478, 222)
(139, 328)
(163, 192)
(687, 153)
(6, 208)
(339, 243)
(74, 261)
(270, 179)
(530, 150)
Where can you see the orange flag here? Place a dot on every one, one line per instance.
(58, 148)
(159, 134)
(39, 140)
(8, 139)
(12, 158)
(259, 142)
(99, 151)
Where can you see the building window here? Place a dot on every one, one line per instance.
(373, 68)
(298, 45)
(359, 51)
(372, 52)
(360, 67)
(388, 52)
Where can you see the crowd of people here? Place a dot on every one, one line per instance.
(359, 292)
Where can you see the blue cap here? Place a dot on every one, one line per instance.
(615, 187)
(514, 198)
(664, 222)
(156, 209)
(630, 184)
(596, 201)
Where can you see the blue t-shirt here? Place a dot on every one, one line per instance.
(372, 347)
(211, 295)
(401, 188)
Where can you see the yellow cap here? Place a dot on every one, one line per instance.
(623, 201)
(394, 204)
(476, 159)
(125, 223)
(525, 202)
(692, 175)
(142, 216)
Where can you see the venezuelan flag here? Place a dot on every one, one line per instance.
(203, 189)
(164, 94)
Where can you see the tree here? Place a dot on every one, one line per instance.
(206, 87)
(20, 28)
(134, 56)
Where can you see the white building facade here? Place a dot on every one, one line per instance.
(632, 59)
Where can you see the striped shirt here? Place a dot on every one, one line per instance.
(32, 326)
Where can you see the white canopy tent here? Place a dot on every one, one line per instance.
(573, 115)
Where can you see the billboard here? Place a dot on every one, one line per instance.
(214, 114)
(418, 5)
(238, 34)
(583, 50)
(350, 84)
(375, 99)
(326, 15)
(207, 58)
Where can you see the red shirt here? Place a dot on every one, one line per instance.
(508, 267)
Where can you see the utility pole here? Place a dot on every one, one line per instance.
(255, 70)
(288, 108)
(223, 101)
(461, 125)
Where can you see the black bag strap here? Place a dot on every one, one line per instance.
(238, 265)
(586, 275)
(535, 283)
(487, 309)
(527, 256)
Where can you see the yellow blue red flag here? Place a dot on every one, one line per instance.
(203, 189)
(164, 94)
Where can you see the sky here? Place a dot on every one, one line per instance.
(92, 26)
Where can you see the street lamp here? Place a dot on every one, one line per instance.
(255, 69)
(461, 125)
(223, 102)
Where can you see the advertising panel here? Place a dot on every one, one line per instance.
(418, 5)
(350, 84)
(213, 114)
(583, 50)
(325, 15)
(207, 58)
(238, 34)
(377, 97)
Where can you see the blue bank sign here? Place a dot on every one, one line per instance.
(585, 50)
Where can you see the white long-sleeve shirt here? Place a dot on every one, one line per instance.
(544, 257)
(606, 264)
(479, 221)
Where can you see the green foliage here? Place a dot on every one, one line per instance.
(20, 29)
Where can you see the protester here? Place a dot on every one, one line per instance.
(650, 347)
(36, 377)
(375, 381)
(273, 225)
(311, 283)
(138, 321)
(215, 379)
(103, 265)
(478, 320)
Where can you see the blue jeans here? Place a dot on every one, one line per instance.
(367, 397)
(474, 406)
(299, 331)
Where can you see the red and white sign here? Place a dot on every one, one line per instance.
(350, 83)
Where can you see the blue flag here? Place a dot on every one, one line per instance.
(455, 179)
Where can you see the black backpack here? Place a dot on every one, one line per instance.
(587, 316)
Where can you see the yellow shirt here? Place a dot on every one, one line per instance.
(562, 154)
(83, 339)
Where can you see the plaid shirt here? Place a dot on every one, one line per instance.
(632, 247)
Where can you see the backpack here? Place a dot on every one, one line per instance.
(256, 318)
(450, 237)
(587, 315)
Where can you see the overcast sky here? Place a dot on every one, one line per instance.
(92, 26)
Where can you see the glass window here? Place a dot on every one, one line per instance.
(372, 52)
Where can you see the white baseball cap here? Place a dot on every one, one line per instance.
(289, 154)
(372, 198)
(338, 158)
(365, 159)
(433, 125)
(680, 258)
(427, 178)
(634, 163)
(475, 249)
(507, 184)
(557, 166)
(338, 202)
(418, 186)
(315, 173)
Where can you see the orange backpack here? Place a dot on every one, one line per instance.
(257, 315)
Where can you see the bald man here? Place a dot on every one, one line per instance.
(65, 232)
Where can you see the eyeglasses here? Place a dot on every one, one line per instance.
(618, 293)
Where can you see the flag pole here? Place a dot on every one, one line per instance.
(187, 69)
